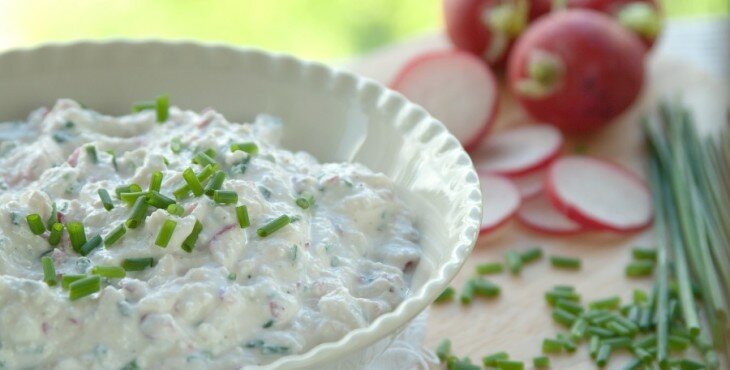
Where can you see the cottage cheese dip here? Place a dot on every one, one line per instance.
(343, 254)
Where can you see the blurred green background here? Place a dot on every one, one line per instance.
(315, 29)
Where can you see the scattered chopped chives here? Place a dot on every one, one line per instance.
(176, 145)
(192, 181)
(175, 209)
(242, 216)
(610, 303)
(599, 332)
(138, 214)
(112, 272)
(49, 271)
(644, 253)
(640, 268)
(594, 345)
(443, 350)
(76, 235)
(137, 264)
(162, 108)
(56, 233)
(531, 255)
(467, 292)
(578, 330)
(115, 235)
(130, 198)
(485, 288)
(156, 181)
(204, 159)
(565, 262)
(225, 197)
(567, 343)
(514, 262)
(555, 295)
(189, 242)
(305, 200)
(165, 234)
(53, 218)
(35, 224)
(618, 342)
(123, 189)
(215, 183)
(617, 328)
(91, 153)
(490, 268)
(143, 105)
(446, 295)
(84, 287)
(563, 317)
(106, 199)
(604, 354)
(541, 362)
(273, 226)
(678, 343)
(90, 245)
(510, 365)
(551, 346)
(250, 148)
(66, 280)
(491, 360)
(569, 306)
(159, 201)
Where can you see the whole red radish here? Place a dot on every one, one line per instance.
(486, 28)
(455, 87)
(576, 69)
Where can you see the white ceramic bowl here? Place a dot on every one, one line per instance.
(335, 115)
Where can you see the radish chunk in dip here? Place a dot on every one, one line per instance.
(181, 240)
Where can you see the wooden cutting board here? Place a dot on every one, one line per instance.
(519, 319)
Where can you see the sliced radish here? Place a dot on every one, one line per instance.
(530, 184)
(539, 214)
(455, 87)
(519, 150)
(599, 194)
(500, 200)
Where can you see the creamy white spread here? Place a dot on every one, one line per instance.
(238, 298)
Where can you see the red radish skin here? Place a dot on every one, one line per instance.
(500, 201)
(599, 194)
(538, 214)
(576, 69)
(486, 28)
(455, 87)
(519, 150)
(531, 184)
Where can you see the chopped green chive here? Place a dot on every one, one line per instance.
(192, 181)
(91, 153)
(175, 210)
(114, 159)
(446, 295)
(225, 197)
(76, 235)
(619, 342)
(90, 245)
(56, 233)
(144, 105)
(250, 148)
(563, 317)
(35, 224)
(551, 346)
(567, 343)
(112, 272)
(514, 262)
(467, 292)
(678, 343)
(137, 264)
(215, 183)
(491, 360)
(115, 235)
(138, 214)
(189, 242)
(565, 262)
(640, 268)
(66, 280)
(305, 200)
(162, 108)
(165, 234)
(594, 345)
(604, 354)
(53, 218)
(273, 226)
(555, 295)
(242, 216)
(443, 350)
(531, 255)
(84, 287)
(156, 181)
(485, 288)
(130, 198)
(610, 303)
(205, 173)
(204, 159)
(49, 271)
(106, 199)
(569, 306)
(490, 268)
(510, 365)
(541, 362)
(644, 253)
(578, 330)
(599, 332)
(160, 201)
(131, 188)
